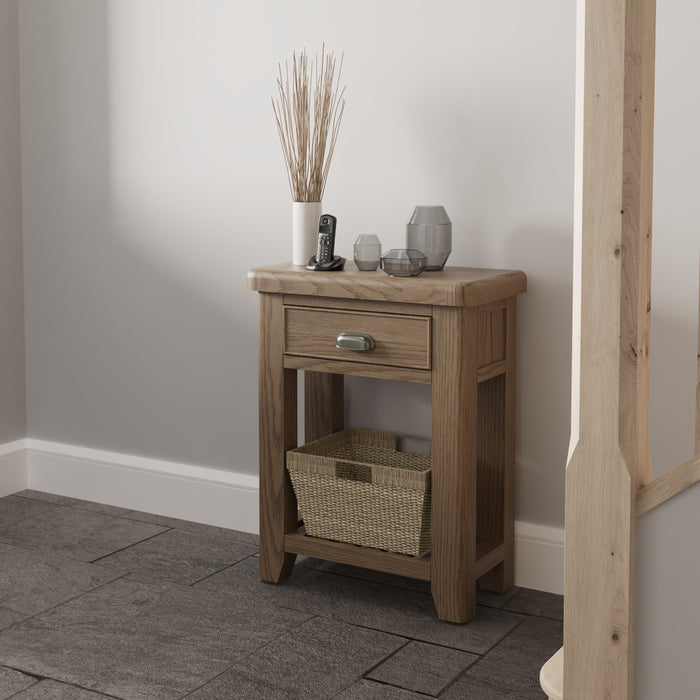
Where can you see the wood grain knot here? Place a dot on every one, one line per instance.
(615, 637)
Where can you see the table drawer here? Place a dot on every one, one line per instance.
(400, 341)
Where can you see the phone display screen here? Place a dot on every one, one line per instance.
(324, 229)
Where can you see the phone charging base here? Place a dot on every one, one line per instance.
(336, 263)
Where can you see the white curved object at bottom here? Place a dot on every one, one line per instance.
(552, 676)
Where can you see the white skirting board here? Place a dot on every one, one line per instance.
(13, 467)
(539, 557)
(201, 494)
(206, 495)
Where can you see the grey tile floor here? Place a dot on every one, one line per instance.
(97, 601)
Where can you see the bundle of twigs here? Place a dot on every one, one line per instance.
(308, 111)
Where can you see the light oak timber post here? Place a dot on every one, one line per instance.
(454, 450)
(278, 433)
(697, 395)
(609, 458)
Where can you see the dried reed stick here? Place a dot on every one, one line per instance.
(308, 113)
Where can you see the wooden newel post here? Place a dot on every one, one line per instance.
(609, 455)
(697, 395)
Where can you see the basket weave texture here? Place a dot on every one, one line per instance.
(355, 486)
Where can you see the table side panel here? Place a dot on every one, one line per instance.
(491, 335)
(490, 459)
(454, 450)
(277, 388)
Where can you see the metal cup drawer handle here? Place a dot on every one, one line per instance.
(360, 342)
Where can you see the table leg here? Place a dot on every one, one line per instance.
(278, 428)
(497, 463)
(454, 450)
(324, 410)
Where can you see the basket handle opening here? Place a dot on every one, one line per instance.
(353, 472)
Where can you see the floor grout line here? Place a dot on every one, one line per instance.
(461, 674)
(481, 658)
(399, 687)
(386, 658)
(225, 568)
(537, 615)
(248, 655)
(128, 546)
(83, 509)
(63, 602)
(38, 678)
(139, 517)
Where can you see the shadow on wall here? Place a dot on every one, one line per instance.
(544, 379)
(668, 549)
(124, 352)
(673, 373)
(544, 370)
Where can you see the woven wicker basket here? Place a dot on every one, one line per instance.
(355, 486)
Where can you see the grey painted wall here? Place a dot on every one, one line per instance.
(668, 614)
(668, 548)
(153, 180)
(12, 385)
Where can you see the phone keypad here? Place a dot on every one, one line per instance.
(324, 246)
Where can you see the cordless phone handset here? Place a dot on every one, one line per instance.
(325, 260)
(326, 239)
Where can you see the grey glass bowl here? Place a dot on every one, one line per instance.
(430, 230)
(404, 262)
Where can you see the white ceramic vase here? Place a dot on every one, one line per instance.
(305, 216)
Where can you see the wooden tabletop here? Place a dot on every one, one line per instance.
(452, 286)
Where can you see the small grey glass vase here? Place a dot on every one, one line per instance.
(430, 230)
(367, 251)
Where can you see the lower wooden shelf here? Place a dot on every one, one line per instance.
(366, 557)
(489, 554)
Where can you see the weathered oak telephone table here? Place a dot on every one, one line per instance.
(453, 329)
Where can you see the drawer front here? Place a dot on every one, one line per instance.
(400, 341)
